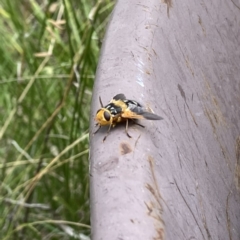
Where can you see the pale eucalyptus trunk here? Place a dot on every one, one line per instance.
(178, 178)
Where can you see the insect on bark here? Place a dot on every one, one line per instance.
(120, 110)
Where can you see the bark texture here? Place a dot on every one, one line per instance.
(178, 178)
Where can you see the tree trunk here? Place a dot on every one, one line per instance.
(178, 178)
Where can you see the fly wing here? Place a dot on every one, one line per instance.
(139, 112)
(132, 109)
(132, 103)
(119, 101)
(151, 116)
(131, 115)
(119, 96)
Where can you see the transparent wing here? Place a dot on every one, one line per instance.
(119, 96)
(139, 112)
(132, 103)
(130, 114)
(151, 116)
(131, 109)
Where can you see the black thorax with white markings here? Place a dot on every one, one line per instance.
(114, 109)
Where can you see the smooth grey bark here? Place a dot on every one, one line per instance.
(178, 178)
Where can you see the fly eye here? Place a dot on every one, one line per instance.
(106, 115)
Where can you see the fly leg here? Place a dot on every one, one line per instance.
(107, 132)
(126, 129)
(97, 129)
(138, 124)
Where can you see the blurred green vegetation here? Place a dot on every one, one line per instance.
(49, 52)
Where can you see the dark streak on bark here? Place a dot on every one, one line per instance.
(184, 97)
(228, 217)
(154, 190)
(203, 214)
(235, 4)
(237, 168)
(189, 208)
(169, 5)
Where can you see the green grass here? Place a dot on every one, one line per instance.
(49, 52)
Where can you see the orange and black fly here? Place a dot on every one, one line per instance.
(120, 110)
